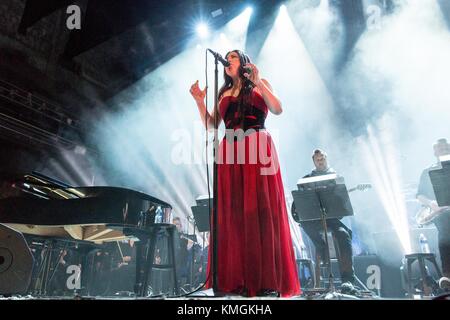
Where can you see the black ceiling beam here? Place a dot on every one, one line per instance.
(35, 10)
(105, 19)
(179, 32)
(352, 13)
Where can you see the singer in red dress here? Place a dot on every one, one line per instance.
(255, 251)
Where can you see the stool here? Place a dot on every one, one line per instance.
(145, 257)
(321, 271)
(421, 258)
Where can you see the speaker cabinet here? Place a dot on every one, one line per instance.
(16, 262)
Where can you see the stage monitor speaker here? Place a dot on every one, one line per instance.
(16, 262)
(382, 279)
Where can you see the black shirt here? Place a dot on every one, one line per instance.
(316, 172)
(425, 187)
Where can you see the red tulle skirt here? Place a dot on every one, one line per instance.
(254, 244)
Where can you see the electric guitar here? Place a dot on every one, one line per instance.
(360, 187)
(426, 215)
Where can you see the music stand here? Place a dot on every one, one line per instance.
(201, 213)
(321, 198)
(440, 180)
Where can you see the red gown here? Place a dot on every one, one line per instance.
(254, 244)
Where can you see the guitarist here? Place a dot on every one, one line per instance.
(425, 195)
(339, 230)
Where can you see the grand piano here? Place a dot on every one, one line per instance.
(49, 209)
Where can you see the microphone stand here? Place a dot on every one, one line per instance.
(215, 146)
(214, 231)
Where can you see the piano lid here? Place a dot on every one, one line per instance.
(43, 186)
(51, 208)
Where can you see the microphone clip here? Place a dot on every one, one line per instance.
(216, 55)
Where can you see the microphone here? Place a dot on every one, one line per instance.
(219, 57)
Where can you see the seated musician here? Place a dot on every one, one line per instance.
(125, 267)
(58, 282)
(343, 235)
(183, 246)
(202, 261)
(425, 195)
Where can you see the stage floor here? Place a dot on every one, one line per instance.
(209, 295)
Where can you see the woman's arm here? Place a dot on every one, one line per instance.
(271, 100)
(210, 118)
(199, 97)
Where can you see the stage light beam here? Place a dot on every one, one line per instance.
(381, 160)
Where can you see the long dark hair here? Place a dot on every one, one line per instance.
(247, 85)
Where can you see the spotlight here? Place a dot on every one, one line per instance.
(216, 13)
(80, 150)
(202, 30)
(283, 8)
(248, 10)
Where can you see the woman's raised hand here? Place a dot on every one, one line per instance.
(252, 73)
(197, 94)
